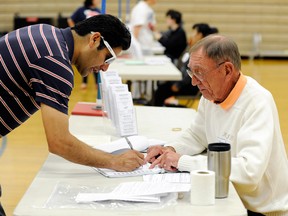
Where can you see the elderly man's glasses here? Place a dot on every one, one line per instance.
(200, 75)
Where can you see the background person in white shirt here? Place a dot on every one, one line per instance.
(234, 109)
(142, 21)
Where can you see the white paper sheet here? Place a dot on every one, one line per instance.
(139, 143)
(143, 170)
(95, 197)
(135, 191)
(126, 114)
(104, 143)
(150, 188)
(115, 88)
(107, 79)
(168, 177)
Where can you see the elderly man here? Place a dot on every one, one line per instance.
(234, 109)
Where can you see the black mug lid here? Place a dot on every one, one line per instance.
(219, 147)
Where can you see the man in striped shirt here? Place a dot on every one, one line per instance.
(36, 73)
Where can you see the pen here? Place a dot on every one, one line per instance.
(129, 143)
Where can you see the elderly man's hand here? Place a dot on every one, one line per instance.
(168, 160)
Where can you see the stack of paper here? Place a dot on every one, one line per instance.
(118, 103)
(178, 177)
(136, 192)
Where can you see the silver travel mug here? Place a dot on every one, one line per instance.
(219, 161)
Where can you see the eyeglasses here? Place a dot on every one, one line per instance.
(107, 45)
(111, 59)
(200, 75)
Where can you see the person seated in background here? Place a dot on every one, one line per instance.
(90, 8)
(234, 109)
(166, 92)
(174, 40)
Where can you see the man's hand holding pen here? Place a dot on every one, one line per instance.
(127, 161)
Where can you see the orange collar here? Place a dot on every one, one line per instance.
(235, 93)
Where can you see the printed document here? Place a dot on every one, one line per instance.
(143, 170)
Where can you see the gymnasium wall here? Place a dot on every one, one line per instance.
(259, 27)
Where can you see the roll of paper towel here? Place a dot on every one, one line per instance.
(202, 187)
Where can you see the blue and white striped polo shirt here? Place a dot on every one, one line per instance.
(35, 68)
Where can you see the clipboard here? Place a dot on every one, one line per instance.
(143, 170)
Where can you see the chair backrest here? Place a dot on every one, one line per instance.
(62, 21)
(20, 21)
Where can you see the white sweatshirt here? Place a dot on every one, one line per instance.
(143, 15)
(248, 120)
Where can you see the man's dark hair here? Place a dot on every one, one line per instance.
(175, 15)
(205, 29)
(110, 27)
(88, 3)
